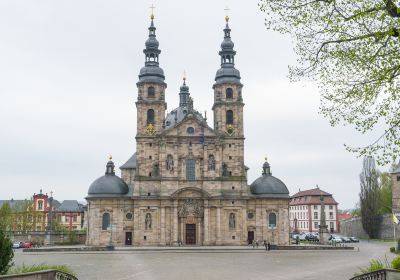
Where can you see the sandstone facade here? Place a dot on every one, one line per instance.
(187, 183)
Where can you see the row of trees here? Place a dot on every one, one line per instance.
(21, 216)
(375, 196)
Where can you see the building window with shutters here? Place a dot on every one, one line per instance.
(316, 215)
(190, 170)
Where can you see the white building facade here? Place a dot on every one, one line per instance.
(305, 211)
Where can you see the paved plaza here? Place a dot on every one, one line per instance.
(213, 264)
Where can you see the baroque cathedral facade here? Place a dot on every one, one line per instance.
(187, 181)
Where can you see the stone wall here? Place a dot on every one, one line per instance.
(353, 227)
(42, 237)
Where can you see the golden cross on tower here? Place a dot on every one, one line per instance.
(227, 13)
(152, 11)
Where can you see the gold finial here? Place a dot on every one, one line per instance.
(265, 158)
(227, 14)
(152, 11)
(184, 75)
(110, 157)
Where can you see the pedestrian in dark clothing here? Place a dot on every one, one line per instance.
(268, 246)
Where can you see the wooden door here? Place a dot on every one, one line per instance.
(128, 238)
(250, 236)
(190, 234)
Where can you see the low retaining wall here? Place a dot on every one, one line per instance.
(44, 238)
(41, 275)
(353, 227)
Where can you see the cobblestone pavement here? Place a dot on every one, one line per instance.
(216, 264)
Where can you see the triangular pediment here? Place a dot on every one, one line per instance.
(200, 128)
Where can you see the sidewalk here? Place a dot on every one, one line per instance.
(80, 248)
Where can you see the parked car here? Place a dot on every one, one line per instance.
(312, 237)
(17, 245)
(355, 240)
(346, 239)
(336, 239)
(26, 245)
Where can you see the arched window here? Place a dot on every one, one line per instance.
(229, 117)
(211, 163)
(190, 169)
(272, 220)
(106, 221)
(150, 116)
(229, 93)
(151, 92)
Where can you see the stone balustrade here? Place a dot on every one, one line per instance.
(50, 274)
(383, 274)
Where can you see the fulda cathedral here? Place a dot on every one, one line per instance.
(187, 181)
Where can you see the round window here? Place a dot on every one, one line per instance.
(250, 215)
(190, 130)
(129, 216)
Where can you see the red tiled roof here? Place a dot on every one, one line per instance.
(312, 197)
(344, 216)
(316, 191)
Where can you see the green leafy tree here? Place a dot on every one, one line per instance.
(351, 47)
(6, 253)
(5, 217)
(385, 186)
(370, 198)
(25, 215)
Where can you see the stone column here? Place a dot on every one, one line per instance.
(175, 220)
(198, 237)
(206, 217)
(259, 222)
(162, 226)
(218, 225)
(244, 223)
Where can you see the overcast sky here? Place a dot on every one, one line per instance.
(68, 73)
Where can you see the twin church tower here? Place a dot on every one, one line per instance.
(187, 183)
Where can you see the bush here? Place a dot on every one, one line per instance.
(396, 263)
(374, 265)
(6, 253)
(40, 267)
(392, 249)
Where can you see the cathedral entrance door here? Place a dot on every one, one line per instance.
(128, 238)
(190, 234)
(250, 236)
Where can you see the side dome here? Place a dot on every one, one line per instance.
(268, 185)
(108, 185)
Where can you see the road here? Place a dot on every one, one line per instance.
(219, 264)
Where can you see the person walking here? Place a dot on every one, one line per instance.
(268, 246)
(265, 245)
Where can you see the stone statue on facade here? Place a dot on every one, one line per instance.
(211, 163)
(170, 163)
(156, 170)
(147, 221)
(232, 222)
(225, 170)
